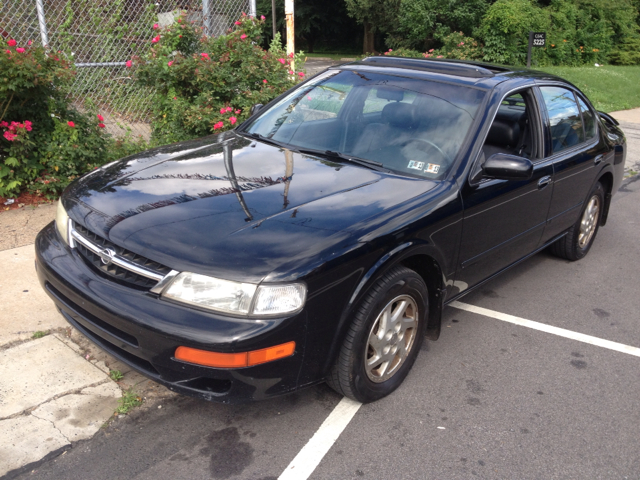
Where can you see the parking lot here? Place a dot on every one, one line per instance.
(490, 398)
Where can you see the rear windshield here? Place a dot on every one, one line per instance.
(409, 125)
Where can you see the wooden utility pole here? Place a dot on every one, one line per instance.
(288, 13)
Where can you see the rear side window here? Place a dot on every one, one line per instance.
(588, 120)
(564, 118)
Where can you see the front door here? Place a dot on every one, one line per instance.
(504, 219)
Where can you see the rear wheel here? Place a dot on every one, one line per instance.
(577, 243)
(384, 338)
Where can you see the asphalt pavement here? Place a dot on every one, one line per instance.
(489, 399)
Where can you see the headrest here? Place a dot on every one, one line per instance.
(390, 93)
(504, 134)
(400, 115)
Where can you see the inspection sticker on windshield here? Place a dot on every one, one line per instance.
(415, 165)
(432, 168)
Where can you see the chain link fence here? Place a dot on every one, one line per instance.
(102, 35)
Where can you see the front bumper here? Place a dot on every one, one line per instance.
(143, 331)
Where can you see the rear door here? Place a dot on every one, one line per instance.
(571, 144)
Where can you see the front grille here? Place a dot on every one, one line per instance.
(115, 271)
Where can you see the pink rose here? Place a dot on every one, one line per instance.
(156, 26)
(243, 36)
(218, 126)
(101, 125)
(431, 51)
(128, 64)
(175, 98)
(265, 81)
(12, 43)
(439, 56)
(27, 125)
(282, 61)
(3, 124)
(228, 109)
(155, 39)
(291, 55)
(223, 110)
(101, 118)
(205, 56)
(262, 17)
(301, 74)
(238, 112)
(71, 124)
(29, 43)
(10, 136)
(20, 50)
(170, 63)
(8, 51)
(232, 120)
(238, 23)
(291, 72)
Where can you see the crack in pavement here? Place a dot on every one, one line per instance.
(75, 391)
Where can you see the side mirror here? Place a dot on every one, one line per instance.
(255, 108)
(507, 167)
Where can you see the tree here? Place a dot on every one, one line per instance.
(376, 16)
(421, 23)
(317, 22)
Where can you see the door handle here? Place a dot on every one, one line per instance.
(543, 182)
(598, 159)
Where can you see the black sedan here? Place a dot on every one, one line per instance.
(321, 239)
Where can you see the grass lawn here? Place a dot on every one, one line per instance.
(610, 88)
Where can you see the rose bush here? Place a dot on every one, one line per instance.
(44, 142)
(208, 84)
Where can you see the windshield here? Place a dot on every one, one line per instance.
(408, 125)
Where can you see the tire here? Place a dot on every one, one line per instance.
(373, 337)
(577, 243)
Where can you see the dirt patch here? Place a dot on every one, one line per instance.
(25, 199)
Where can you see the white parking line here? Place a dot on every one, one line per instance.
(543, 327)
(314, 451)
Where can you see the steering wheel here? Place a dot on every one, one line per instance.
(429, 143)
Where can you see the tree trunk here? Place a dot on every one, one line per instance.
(368, 45)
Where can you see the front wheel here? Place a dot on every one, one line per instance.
(384, 338)
(577, 243)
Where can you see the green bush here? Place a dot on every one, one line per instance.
(44, 142)
(579, 32)
(425, 24)
(204, 84)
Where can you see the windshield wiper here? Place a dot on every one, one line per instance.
(325, 153)
(349, 158)
(264, 139)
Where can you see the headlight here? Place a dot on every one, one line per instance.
(234, 297)
(62, 222)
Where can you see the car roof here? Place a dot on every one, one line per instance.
(477, 74)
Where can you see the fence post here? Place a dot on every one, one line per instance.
(206, 17)
(252, 8)
(42, 23)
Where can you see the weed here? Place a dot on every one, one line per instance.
(128, 401)
(40, 334)
(116, 375)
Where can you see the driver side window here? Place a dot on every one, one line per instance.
(511, 131)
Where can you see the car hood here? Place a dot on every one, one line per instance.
(235, 208)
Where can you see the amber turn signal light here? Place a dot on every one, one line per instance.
(234, 360)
